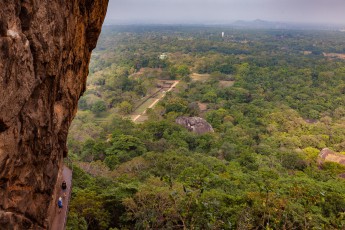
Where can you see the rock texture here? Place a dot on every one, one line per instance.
(45, 48)
(195, 124)
(328, 155)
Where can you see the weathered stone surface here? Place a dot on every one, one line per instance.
(45, 49)
(195, 124)
(328, 155)
(325, 152)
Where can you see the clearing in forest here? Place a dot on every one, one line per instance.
(139, 115)
(334, 55)
(226, 83)
(206, 77)
(200, 77)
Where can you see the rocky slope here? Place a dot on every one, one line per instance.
(45, 48)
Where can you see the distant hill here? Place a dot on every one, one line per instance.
(258, 23)
(262, 24)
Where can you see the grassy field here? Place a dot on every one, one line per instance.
(144, 106)
(139, 114)
(141, 119)
(200, 77)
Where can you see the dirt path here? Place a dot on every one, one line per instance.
(156, 101)
(61, 218)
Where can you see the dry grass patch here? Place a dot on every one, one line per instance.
(200, 77)
(334, 55)
(226, 83)
(202, 106)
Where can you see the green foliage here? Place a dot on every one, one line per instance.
(89, 207)
(76, 222)
(81, 179)
(175, 104)
(216, 117)
(125, 147)
(259, 169)
(111, 161)
(93, 150)
(183, 71)
(333, 168)
(98, 107)
(293, 161)
(125, 107)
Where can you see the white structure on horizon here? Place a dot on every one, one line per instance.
(223, 34)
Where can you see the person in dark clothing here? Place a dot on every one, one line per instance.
(64, 187)
(60, 204)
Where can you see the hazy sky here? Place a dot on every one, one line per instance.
(224, 11)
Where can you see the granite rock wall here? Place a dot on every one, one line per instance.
(45, 48)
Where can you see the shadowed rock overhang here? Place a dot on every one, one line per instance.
(45, 48)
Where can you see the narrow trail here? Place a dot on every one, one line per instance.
(156, 101)
(61, 218)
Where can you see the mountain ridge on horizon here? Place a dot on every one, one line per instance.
(250, 24)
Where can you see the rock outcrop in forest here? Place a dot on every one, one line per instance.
(45, 51)
(195, 124)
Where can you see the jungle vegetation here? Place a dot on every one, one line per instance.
(258, 170)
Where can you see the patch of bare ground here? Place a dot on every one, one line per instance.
(226, 83)
(200, 77)
(145, 72)
(165, 84)
(306, 52)
(334, 55)
(311, 121)
(202, 106)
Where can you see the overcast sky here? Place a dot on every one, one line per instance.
(224, 11)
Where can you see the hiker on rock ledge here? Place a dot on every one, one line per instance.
(64, 187)
(60, 204)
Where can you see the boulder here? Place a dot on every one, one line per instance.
(195, 124)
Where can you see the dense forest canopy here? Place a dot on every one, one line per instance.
(275, 99)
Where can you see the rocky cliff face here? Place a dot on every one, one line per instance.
(45, 48)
